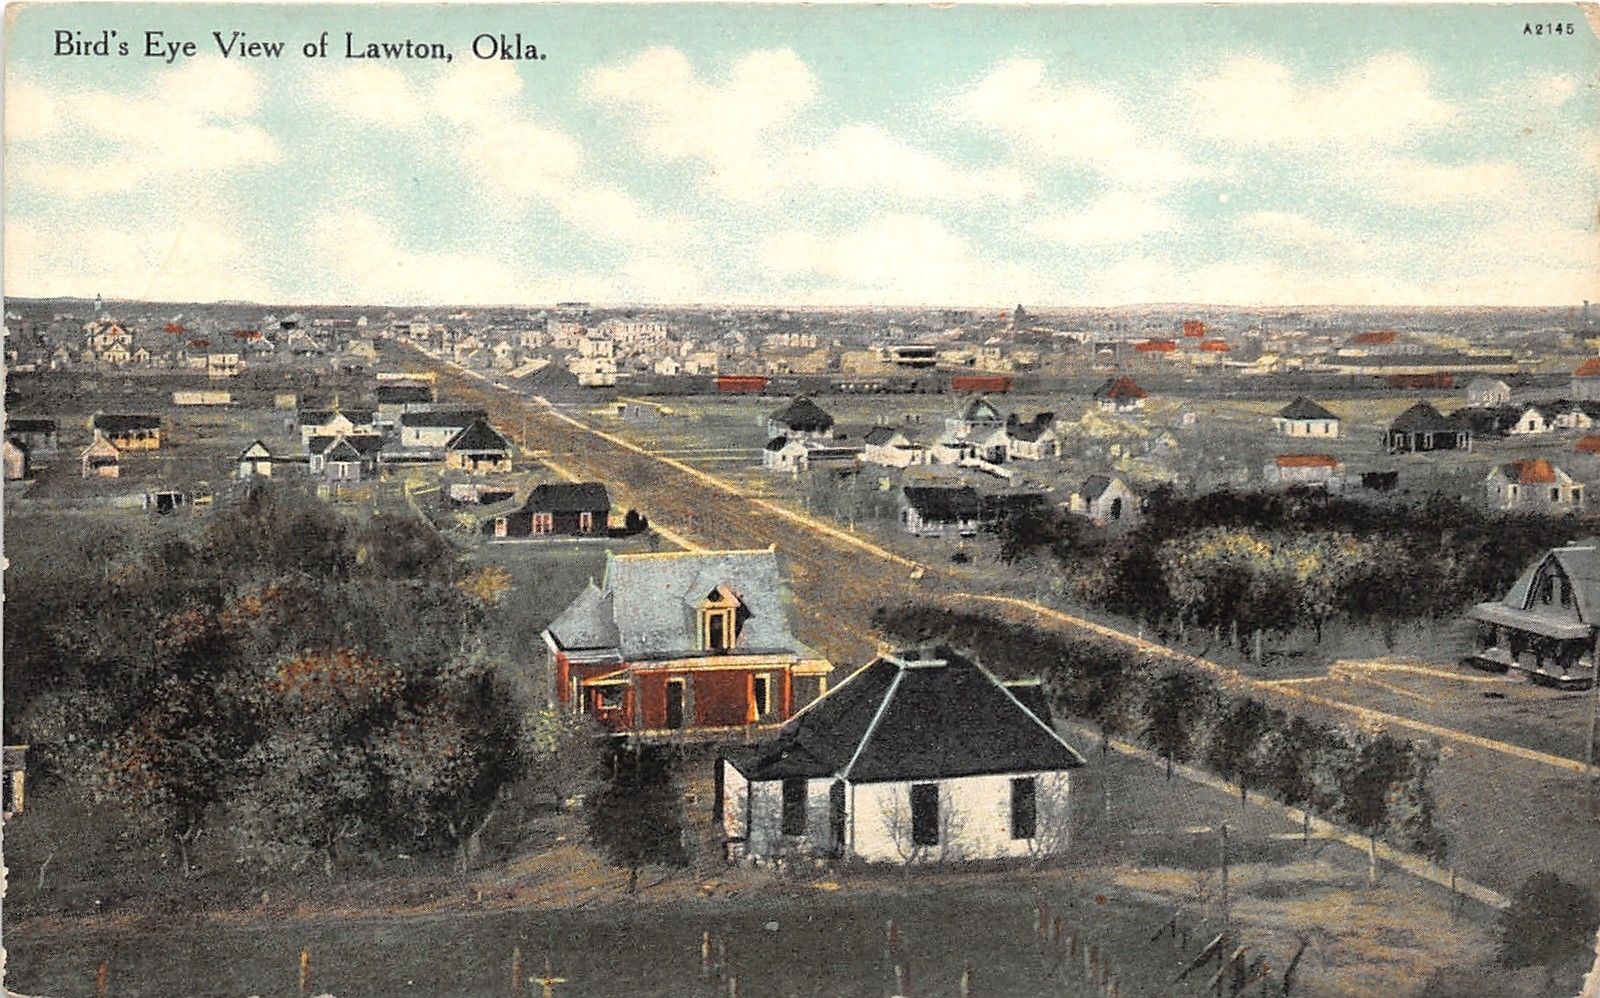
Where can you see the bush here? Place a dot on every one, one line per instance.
(1550, 923)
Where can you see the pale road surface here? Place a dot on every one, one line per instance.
(838, 588)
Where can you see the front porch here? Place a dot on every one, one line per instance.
(1556, 653)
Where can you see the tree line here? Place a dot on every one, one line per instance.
(1374, 783)
(299, 686)
(1240, 564)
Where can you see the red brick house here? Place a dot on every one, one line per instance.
(694, 642)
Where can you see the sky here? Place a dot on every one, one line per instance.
(811, 155)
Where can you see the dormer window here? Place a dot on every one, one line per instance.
(721, 613)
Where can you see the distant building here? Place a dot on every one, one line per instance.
(563, 509)
(101, 459)
(978, 418)
(341, 422)
(940, 510)
(37, 436)
(1105, 499)
(684, 643)
(1120, 395)
(892, 448)
(1033, 440)
(920, 757)
(1532, 419)
(339, 459)
(801, 419)
(1545, 626)
(133, 431)
(1424, 428)
(479, 449)
(255, 461)
(1314, 470)
(434, 428)
(1586, 380)
(1305, 418)
(1485, 391)
(1533, 486)
(16, 460)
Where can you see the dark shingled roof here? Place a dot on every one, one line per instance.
(30, 424)
(479, 436)
(777, 443)
(392, 394)
(944, 503)
(365, 444)
(804, 415)
(880, 435)
(1094, 487)
(439, 418)
(1305, 408)
(118, 423)
(912, 718)
(568, 497)
(1423, 418)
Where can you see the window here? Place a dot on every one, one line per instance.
(1547, 588)
(719, 620)
(924, 814)
(499, 526)
(1555, 494)
(1024, 807)
(610, 697)
(543, 523)
(586, 522)
(761, 694)
(794, 806)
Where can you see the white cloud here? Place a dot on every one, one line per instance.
(750, 132)
(1115, 217)
(195, 121)
(896, 258)
(1387, 100)
(1412, 181)
(1073, 124)
(179, 260)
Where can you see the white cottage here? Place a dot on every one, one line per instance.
(921, 757)
(1531, 420)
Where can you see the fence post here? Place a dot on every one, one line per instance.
(902, 979)
(516, 972)
(966, 980)
(892, 939)
(305, 972)
(705, 953)
(102, 979)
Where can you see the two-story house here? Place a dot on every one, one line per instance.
(691, 642)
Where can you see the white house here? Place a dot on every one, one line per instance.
(1305, 418)
(1572, 416)
(1034, 440)
(784, 454)
(335, 423)
(1486, 391)
(920, 757)
(892, 448)
(1532, 420)
(255, 461)
(434, 428)
(1532, 486)
(1105, 500)
(940, 510)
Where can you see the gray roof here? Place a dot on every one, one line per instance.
(1423, 418)
(1580, 563)
(587, 623)
(1305, 408)
(442, 418)
(1094, 487)
(880, 435)
(568, 497)
(651, 603)
(479, 436)
(916, 717)
(980, 410)
(804, 415)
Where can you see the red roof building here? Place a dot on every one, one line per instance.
(1307, 461)
(1193, 329)
(1588, 445)
(1532, 471)
(1382, 337)
(1156, 346)
(1588, 369)
(1214, 346)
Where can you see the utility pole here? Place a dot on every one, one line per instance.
(1224, 874)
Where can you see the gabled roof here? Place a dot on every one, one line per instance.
(1305, 408)
(1531, 471)
(322, 417)
(479, 436)
(101, 447)
(1120, 388)
(880, 435)
(980, 410)
(1423, 418)
(944, 503)
(777, 444)
(654, 602)
(1588, 369)
(1033, 429)
(389, 394)
(29, 424)
(341, 451)
(1094, 487)
(442, 418)
(587, 623)
(256, 449)
(920, 716)
(568, 497)
(1578, 561)
(364, 444)
(804, 415)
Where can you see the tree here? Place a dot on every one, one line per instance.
(1231, 747)
(1366, 787)
(1549, 922)
(1174, 706)
(636, 819)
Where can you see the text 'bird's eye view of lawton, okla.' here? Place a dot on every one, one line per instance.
(699, 500)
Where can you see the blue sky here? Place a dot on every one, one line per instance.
(814, 155)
